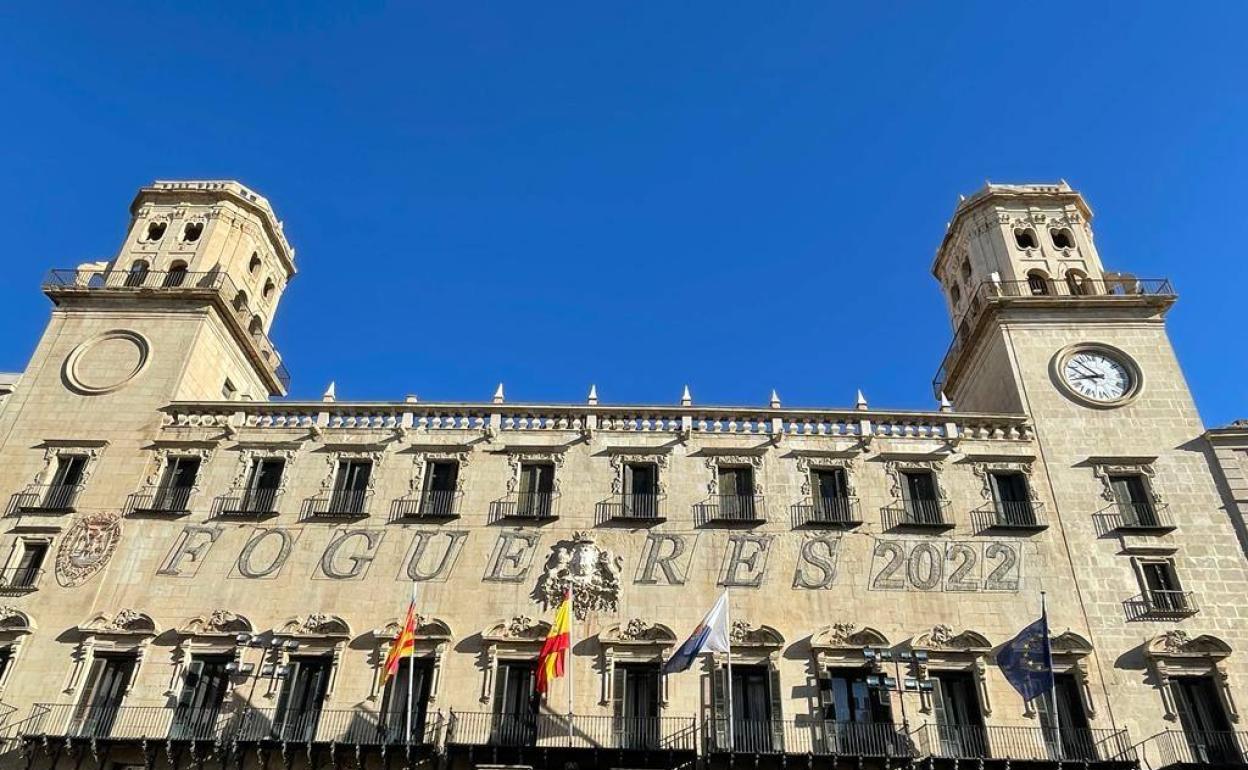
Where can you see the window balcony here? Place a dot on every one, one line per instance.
(1161, 605)
(526, 506)
(19, 580)
(432, 505)
(251, 504)
(1176, 748)
(1025, 743)
(160, 501)
(47, 498)
(338, 504)
(667, 734)
(1142, 517)
(1025, 515)
(738, 510)
(808, 737)
(918, 514)
(828, 512)
(633, 508)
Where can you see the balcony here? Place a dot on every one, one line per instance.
(810, 737)
(827, 512)
(216, 287)
(1024, 515)
(1025, 743)
(633, 508)
(1175, 748)
(250, 505)
(675, 734)
(19, 580)
(47, 498)
(525, 506)
(432, 505)
(225, 723)
(1161, 605)
(1142, 517)
(338, 504)
(918, 514)
(160, 501)
(731, 510)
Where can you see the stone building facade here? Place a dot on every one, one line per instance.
(198, 572)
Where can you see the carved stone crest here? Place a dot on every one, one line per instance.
(592, 574)
(86, 548)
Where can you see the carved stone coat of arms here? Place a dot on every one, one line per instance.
(86, 547)
(590, 571)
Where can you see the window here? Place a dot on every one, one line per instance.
(440, 488)
(176, 275)
(1025, 238)
(156, 230)
(1037, 283)
(830, 489)
(1012, 499)
(959, 722)
(1078, 284)
(1134, 502)
(1205, 726)
(263, 481)
(256, 327)
(204, 686)
(253, 266)
(1163, 594)
(176, 484)
(269, 288)
(66, 482)
(394, 705)
(1062, 237)
(537, 484)
(641, 491)
(635, 705)
(736, 493)
(138, 273)
(955, 293)
(303, 695)
(107, 683)
(756, 715)
(1071, 723)
(919, 499)
(240, 301)
(29, 564)
(350, 487)
(965, 267)
(228, 390)
(515, 704)
(848, 700)
(192, 231)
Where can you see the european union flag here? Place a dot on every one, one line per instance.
(1027, 661)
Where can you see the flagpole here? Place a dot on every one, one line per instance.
(728, 623)
(411, 666)
(571, 643)
(1048, 646)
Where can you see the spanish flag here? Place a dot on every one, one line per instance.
(405, 642)
(551, 660)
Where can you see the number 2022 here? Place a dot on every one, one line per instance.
(902, 565)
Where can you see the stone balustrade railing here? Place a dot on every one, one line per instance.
(862, 425)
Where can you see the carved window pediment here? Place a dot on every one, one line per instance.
(126, 622)
(942, 640)
(13, 622)
(315, 626)
(520, 628)
(743, 634)
(427, 630)
(637, 632)
(1176, 653)
(945, 649)
(847, 636)
(216, 623)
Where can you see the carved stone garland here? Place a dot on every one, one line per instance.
(848, 464)
(984, 471)
(619, 461)
(517, 459)
(713, 464)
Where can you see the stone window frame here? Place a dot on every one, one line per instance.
(214, 633)
(15, 628)
(840, 646)
(620, 460)
(126, 631)
(983, 470)
(18, 547)
(420, 466)
(160, 461)
(808, 462)
(893, 470)
(1103, 468)
(517, 638)
(53, 450)
(432, 641)
(751, 645)
(635, 641)
(517, 457)
(1176, 653)
(318, 634)
(752, 461)
(1070, 653)
(334, 455)
(249, 456)
(946, 651)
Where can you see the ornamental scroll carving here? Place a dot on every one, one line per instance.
(247, 460)
(1106, 471)
(420, 465)
(125, 621)
(216, 623)
(164, 454)
(984, 470)
(850, 465)
(1176, 653)
(518, 459)
(316, 624)
(744, 634)
(52, 455)
(638, 631)
(333, 458)
(848, 636)
(520, 628)
(714, 464)
(893, 470)
(618, 462)
(86, 547)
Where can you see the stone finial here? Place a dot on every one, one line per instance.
(685, 398)
(498, 394)
(331, 393)
(411, 398)
(945, 404)
(775, 399)
(861, 403)
(592, 400)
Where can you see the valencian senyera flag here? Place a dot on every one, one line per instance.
(405, 642)
(551, 661)
(1026, 660)
(711, 635)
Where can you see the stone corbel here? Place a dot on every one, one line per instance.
(1223, 680)
(435, 677)
(1084, 682)
(663, 691)
(181, 654)
(608, 676)
(335, 664)
(84, 653)
(981, 680)
(1169, 710)
(491, 668)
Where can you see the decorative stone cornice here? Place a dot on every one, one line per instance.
(126, 622)
(519, 628)
(942, 638)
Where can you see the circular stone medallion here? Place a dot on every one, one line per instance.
(106, 362)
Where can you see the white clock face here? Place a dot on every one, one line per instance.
(1097, 376)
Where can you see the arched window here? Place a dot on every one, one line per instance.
(955, 293)
(176, 275)
(138, 273)
(1062, 237)
(156, 230)
(192, 231)
(240, 301)
(1038, 283)
(269, 288)
(1078, 283)
(257, 326)
(253, 267)
(1025, 238)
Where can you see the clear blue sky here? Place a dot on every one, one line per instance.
(739, 196)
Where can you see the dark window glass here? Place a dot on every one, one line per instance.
(107, 681)
(350, 486)
(635, 705)
(919, 497)
(301, 699)
(395, 700)
(847, 698)
(959, 722)
(34, 553)
(515, 704)
(537, 483)
(754, 716)
(204, 686)
(641, 482)
(1134, 502)
(1204, 721)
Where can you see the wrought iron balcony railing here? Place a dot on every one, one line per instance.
(228, 722)
(526, 506)
(171, 501)
(1138, 517)
(250, 504)
(809, 737)
(339, 504)
(1010, 514)
(828, 512)
(1161, 605)
(48, 498)
(575, 731)
(1024, 743)
(633, 507)
(1200, 747)
(19, 579)
(433, 504)
(922, 514)
(731, 509)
